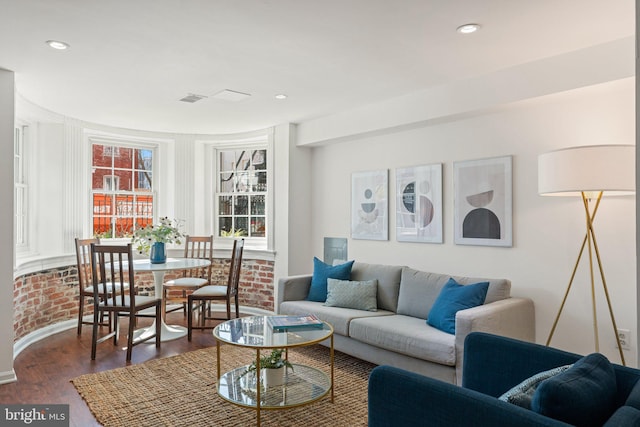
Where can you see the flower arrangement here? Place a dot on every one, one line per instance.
(273, 360)
(166, 232)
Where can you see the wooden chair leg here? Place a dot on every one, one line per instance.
(130, 335)
(158, 325)
(189, 319)
(80, 314)
(184, 304)
(94, 335)
(116, 327)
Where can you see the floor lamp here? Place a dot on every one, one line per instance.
(588, 172)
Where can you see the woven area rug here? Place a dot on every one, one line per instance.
(181, 391)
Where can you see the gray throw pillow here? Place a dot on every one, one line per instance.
(352, 294)
(522, 394)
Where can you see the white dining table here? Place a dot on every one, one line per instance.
(167, 332)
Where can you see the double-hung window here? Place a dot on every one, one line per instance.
(242, 188)
(122, 189)
(20, 187)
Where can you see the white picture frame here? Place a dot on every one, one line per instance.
(483, 202)
(370, 205)
(419, 204)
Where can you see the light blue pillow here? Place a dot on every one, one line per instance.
(322, 272)
(352, 294)
(583, 395)
(454, 297)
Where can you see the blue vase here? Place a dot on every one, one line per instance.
(158, 253)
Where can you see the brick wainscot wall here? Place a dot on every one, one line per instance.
(47, 297)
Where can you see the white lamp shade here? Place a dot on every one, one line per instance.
(593, 168)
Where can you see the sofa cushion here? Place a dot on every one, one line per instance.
(388, 277)
(522, 394)
(406, 335)
(322, 272)
(419, 290)
(626, 416)
(452, 298)
(352, 294)
(583, 395)
(337, 317)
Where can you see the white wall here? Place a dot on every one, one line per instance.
(547, 231)
(6, 223)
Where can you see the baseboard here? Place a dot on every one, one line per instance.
(43, 333)
(8, 377)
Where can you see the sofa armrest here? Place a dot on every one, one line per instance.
(511, 317)
(292, 288)
(402, 398)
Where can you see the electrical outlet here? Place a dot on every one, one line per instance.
(624, 335)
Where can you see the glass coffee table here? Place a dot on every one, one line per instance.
(303, 385)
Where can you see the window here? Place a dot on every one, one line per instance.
(122, 189)
(20, 186)
(242, 192)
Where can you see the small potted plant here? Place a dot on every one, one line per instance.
(151, 239)
(273, 367)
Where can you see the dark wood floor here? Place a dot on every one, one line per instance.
(44, 369)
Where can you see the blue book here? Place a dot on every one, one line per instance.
(288, 322)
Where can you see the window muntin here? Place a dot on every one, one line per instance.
(122, 189)
(242, 192)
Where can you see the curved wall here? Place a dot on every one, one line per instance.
(47, 297)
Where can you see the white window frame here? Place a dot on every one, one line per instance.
(261, 140)
(117, 143)
(21, 188)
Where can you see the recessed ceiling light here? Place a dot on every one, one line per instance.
(281, 96)
(57, 44)
(468, 28)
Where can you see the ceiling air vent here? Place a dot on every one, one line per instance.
(192, 97)
(231, 95)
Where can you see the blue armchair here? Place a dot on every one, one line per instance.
(492, 366)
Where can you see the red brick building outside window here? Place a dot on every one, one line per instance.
(122, 189)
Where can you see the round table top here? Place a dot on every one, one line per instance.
(171, 264)
(256, 332)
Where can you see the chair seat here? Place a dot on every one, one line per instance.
(211, 291)
(141, 301)
(89, 289)
(184, 282)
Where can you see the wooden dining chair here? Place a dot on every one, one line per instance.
(85, 277)
(113, 265)
(191, 279)
(209, 293)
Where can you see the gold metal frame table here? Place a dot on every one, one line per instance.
(302, 386)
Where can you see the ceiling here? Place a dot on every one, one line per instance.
(130, 61)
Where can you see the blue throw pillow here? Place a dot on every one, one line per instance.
(452, 298)
(322, 272)
(583, 395)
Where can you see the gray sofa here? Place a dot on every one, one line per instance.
(397, 333)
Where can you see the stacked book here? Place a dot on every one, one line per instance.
(286, 323)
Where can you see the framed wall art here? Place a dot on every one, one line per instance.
(419, 204)
(482, 202)
(370, 205)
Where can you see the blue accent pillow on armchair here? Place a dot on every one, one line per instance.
(583, 395)
(452, 298)
(322, 272)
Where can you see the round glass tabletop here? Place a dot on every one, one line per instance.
(257, 332)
